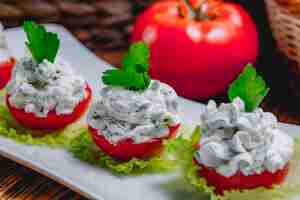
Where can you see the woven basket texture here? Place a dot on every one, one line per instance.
(286, 30)
(102, 25)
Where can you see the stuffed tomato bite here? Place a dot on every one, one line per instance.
(7, 61)
(241, 147)
(242, 150)
(44, 92)
(133, 114)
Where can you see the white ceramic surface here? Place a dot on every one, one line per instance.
(88, 180)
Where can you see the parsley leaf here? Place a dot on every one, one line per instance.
(138, 56)
(41, 43)
(250, 87)
(134, 72)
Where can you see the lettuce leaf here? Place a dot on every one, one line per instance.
(2, 93)
(84, 149)
(77, 140)
(57, 139)
(184, 151)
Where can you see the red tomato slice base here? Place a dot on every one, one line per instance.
(126, 149)
(240, 181)
(6, 71)
(52, 121)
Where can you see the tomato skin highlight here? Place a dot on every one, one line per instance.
(127, 149)
(239, 181)
(6, 69)
(199, 59)
(52, 121)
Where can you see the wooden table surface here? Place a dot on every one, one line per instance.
(17, 182)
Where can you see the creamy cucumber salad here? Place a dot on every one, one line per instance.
(234, 140)
(140, 115)
(43, 87)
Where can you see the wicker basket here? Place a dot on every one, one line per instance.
(286, 31)
(102, 25)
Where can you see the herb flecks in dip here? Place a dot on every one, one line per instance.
(43, 87)
(237, 141)
(140, 115)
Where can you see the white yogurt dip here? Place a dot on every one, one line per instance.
(140, 115)
(237, 141)
(41, 88)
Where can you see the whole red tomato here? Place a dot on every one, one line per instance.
(201, 54)
(5, 72)
(127, 149)
(239, 181)
(52, 121)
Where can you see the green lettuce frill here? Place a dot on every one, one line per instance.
(77, 140)
(184, 150)
(84, 148)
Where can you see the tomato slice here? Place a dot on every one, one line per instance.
(6, 71)
(52, 121)
(127, 149)
(240, 181)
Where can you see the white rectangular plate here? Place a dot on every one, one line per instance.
(92, 182)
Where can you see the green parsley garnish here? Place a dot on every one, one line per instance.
(41, 43)
(134, 72)
(250, 87)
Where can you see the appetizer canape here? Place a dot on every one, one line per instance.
(241, 146)
(7, 62)
(44, 92)
(134, 114)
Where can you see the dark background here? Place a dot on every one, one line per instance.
(279, 72)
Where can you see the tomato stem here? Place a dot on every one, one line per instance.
(202, 10)
(191, 14)
(199, 12)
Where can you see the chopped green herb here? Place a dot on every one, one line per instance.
(41, 43)
(250, 87)
(134, 72)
